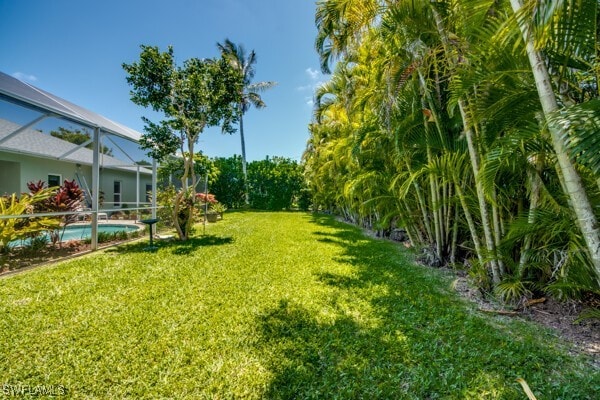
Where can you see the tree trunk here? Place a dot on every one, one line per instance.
(582, 207)
(485, 219)
(437, 223)
(422, 206)
(453, 246)
(433, 183)
(533, 205)
(412, 225)
(496, 223)
(243, 142)
(474, 156)
(469, 218)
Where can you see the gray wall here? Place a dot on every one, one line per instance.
(18, 169)
(10, 177)
(128, 187)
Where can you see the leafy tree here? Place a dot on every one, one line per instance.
(172, 168)
(249, 92)
(432, 121)
(573, 20)
(229, 185)
(199, 94)
(78, 136)
(275, 183)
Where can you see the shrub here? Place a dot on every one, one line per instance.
(67, 197)
(274, 183)
(12, 229)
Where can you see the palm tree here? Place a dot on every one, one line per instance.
(249, 95)
(566, 14)
(445, 114)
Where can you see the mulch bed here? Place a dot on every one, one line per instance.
(562, 317)
(23, 259)
(20, 259)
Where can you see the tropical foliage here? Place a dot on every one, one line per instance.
(63, 199)
(471, 124)
(274, 183)
(11, 228)
(230, 187)
(199, 94)
(172, 169)
(249, 94)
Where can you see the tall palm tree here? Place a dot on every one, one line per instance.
(492, 166)
(244, 63)
(569, 14)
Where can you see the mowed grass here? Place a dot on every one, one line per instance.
(275, 306)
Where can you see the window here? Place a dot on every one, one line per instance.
(117, 194)
(54, 180)
(148, 193)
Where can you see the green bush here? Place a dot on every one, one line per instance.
(12, 229)
(274, 183)
(165, 199)
(228, 187)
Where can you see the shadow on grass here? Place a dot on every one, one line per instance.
(174, 246)
(393, 331)
(322, 360)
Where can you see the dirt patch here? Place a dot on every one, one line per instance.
(562, 317)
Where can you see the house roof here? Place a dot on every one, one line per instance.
(38, 144)
(21, 92)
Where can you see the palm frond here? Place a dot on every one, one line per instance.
(581, 124)
(260, 86)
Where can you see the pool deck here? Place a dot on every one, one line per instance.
(111, 221)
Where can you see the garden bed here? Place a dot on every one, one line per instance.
(29, 256)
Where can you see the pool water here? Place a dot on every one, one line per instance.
(81, 232)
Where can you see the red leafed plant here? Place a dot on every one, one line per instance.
(67, 197)
(206, 198)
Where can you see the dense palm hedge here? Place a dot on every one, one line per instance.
(470, 124)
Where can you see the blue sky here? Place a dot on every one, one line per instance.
(75, 48)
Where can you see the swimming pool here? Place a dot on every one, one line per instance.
(82, 232)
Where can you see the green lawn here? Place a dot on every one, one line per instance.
(270, 305)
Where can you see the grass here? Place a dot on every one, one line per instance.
(270, 305)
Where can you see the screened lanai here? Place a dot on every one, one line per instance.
(33, 125)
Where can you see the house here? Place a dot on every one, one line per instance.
(28, 153)
(32, 156)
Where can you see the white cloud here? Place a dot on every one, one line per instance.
(314, 74)
(24, 77)
(305, 87)
(316, 80)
